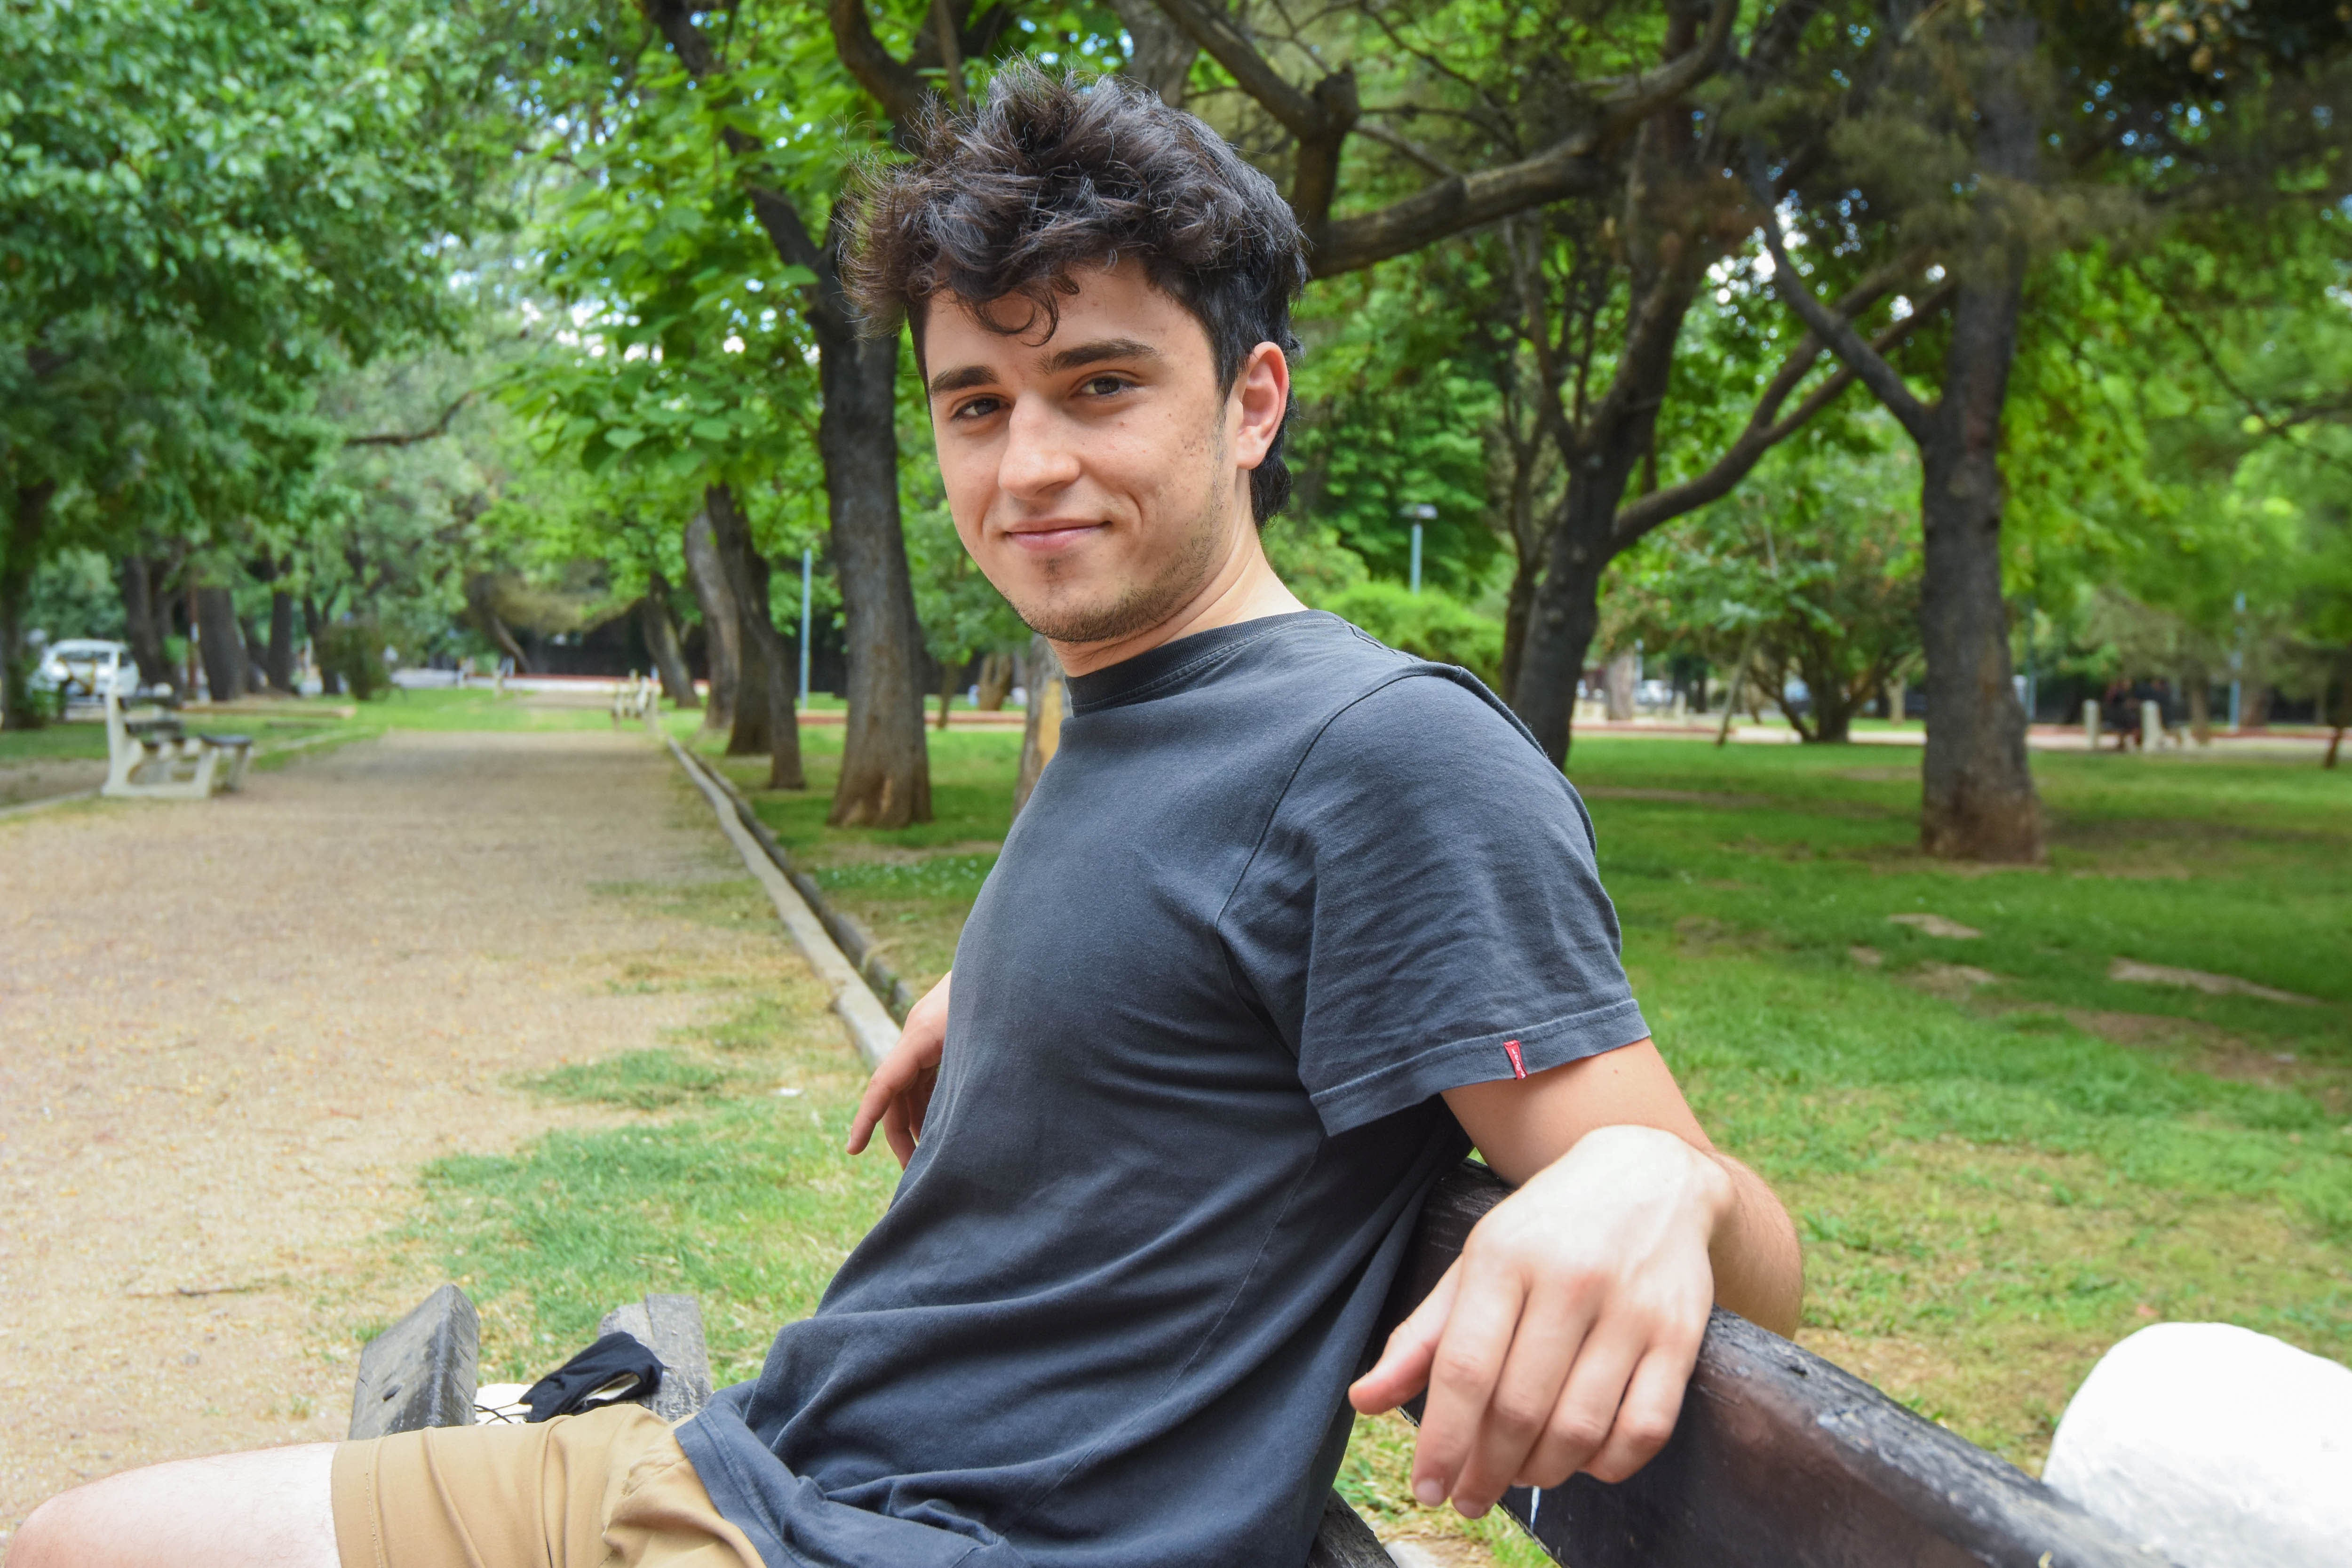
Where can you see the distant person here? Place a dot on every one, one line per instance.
(1291, 922)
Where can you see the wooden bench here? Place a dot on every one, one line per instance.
(154, 756)
(637, 698)
(1780, 1459)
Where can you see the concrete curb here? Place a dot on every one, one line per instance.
(871, 1030)
(26, 808)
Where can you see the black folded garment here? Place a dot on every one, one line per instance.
(614, 1368)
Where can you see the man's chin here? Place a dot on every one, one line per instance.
(1084, 621)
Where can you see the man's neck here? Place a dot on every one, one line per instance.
(1243, 588)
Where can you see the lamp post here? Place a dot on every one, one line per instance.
(1421, 513)
(807, 561)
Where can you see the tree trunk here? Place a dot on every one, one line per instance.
(766, 669)
(1978, 799)
(1624, 675)
(996, 676)
(492, 624)
(1517, 606)
(1049, 700)
(885, 772)
(1163, 53)
(315, 625)
(2201, 707)
(221, 642)
(1560, 625)
(661, 637)
(280, 659)
(18, 710)
(143, 626)
(948, 673)
(722, 634)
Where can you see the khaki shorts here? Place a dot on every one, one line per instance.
(600, 1491)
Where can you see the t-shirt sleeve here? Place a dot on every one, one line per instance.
(1423, 910)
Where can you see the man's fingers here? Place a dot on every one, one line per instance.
(1551, 1337)
(1402, 1370)
(893, 1128)
(1645, 1418)
(1463, 1373)
(1584, 1411)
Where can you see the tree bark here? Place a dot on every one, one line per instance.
(221, 643)
(722, 634)
(314, 626)
(661, 637)
(28, 522)
(1164, 52)
(767, 667)
(279, 665)
(141, 624)
(493, 625)
(1623, 679)
(886, 771)
(1977, 800)
(885, 777)
(996, 676)
(1048, 702)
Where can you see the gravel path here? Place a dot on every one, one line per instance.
(232, 1031)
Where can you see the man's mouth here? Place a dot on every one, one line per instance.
(1048, 535)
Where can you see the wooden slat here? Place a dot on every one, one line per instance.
(421, 1371)
(1345, 1541)
(1782, 1461)
(671, 1326)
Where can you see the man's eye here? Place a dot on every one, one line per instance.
(1106, 385)
(978, 408)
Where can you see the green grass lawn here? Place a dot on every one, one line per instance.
(2002, 1158)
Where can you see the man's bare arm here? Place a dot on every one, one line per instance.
(1562, 1338)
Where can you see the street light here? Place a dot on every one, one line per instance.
(1421, 512)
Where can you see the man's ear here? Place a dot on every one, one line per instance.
(1261, 397)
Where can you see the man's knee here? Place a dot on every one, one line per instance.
(45, 1539)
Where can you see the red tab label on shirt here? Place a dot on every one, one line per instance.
(1518, 1064)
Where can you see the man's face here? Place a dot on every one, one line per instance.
(1099, 476)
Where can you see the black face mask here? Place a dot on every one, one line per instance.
(615, 1368)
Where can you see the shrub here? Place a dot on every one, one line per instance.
(1428, 625)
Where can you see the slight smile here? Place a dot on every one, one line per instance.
(1050, 534)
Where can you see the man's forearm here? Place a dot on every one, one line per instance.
(1759, 1270)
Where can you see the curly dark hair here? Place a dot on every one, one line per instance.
(1050, 173)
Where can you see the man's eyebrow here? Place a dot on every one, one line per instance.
(1071, 358)
(1102, 349)
(956, 380)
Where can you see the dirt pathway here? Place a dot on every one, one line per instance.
(232, 1031)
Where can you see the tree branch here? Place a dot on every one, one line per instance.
(1570, 167)
(409, 438)
(1871, 368)
(1765, 427)
(776, 213)
(896, 85)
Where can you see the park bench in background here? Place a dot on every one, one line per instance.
(1780, 1460)
(155, 756)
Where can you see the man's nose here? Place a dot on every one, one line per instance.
(1039, 458)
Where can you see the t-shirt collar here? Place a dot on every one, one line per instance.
(1157, 672)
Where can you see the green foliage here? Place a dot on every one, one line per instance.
(1431, 625)
(1810, 571)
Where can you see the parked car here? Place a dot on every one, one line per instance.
(87, 667)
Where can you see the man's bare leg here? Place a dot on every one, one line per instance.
(270, 1509)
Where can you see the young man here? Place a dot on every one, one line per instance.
(1291, 922)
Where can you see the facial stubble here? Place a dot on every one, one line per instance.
(1144, 605)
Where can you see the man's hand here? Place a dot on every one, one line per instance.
(1561, 1338)
(899, 1093)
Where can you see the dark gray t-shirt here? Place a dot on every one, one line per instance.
(1280, 887)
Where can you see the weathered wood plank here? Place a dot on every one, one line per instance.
(420, 1372)
(671, 1326)
(1345, 1541)
(1782, 1460)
